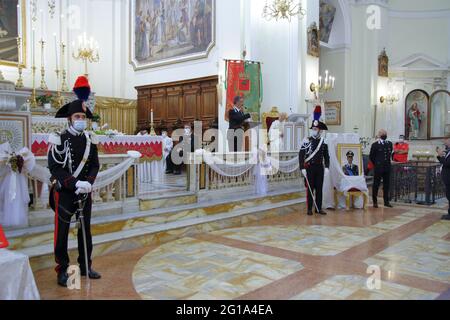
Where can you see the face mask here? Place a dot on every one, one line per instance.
(401, 140)
(80, 125)
(315, 133)
(383, 137)
(164, 134)
(187, 131)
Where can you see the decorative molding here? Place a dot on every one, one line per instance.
(429, 64)
(381, 3)
(430, 14)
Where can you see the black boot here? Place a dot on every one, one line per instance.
(323, 213)
(92, 273)
(310, 213)
(375, 203)
(62, 279)
(388, 205)
(446, 217)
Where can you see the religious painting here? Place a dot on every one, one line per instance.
(12, 26)
(383, 64)
(333, 113)
(327, 14)
(170, 31)
(440, 114)
(350, 159)
(416, 115)
(15, 128)
(313, 41)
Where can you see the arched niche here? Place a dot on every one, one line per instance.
(416, 115)
(439, 122)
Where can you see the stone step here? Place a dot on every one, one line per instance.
(41, 256)
(43, 235)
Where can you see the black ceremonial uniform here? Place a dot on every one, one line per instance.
(315, 168)
(63, 198)
(380, 155)
(351, 170)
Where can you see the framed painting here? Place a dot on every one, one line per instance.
(350, 159)
(333, 113)
(416, 115)
(12, 26)
(383, 64)
(313, 40)
(15, 128)
(327, 14)
(170, 31)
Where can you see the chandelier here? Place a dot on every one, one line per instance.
(324, 84)
(393, 95)
(86, 50)
(283, 9)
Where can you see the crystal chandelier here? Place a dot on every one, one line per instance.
(283, 9)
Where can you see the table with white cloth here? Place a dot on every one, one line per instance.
(16, 278)
(151, 168)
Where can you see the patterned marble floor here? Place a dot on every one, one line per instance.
(289, 257)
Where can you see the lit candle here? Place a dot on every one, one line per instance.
(320, 81)
(326, 77)
(151, 117)
(56, 50)
(42, 24)
(19, 24)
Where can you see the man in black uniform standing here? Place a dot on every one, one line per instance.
(444, 159)
(380, 156)
(74, 165)
(314, 161)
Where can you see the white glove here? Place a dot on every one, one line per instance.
(304, 172)
(83, 187)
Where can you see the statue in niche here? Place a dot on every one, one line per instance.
(383, 64)
(416, 115)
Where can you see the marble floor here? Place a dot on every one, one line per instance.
(400, 253)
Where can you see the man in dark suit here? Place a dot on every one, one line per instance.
(237, 118)
(380, 156)
(444, 159)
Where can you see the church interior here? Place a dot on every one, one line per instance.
(224, 150)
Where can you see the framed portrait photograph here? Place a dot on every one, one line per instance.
(12, 26)
(333, 113)
(350, 159)
(170, 31)
(15, 128)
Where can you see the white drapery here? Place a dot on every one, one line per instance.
(16, 279)
(14, 196)
(104, 178)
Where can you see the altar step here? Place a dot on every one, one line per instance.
(157, 226)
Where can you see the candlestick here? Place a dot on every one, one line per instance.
(152, 129)
(56, 50)
(19, 83)
(43, 84)
(64, 86)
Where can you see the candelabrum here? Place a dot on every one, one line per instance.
(323, 85)
(43, 84)
(64, 86)
(19, 83)
(283, 9)
(86, 51)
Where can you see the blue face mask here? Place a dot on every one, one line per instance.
(315, 133)
(80, 125)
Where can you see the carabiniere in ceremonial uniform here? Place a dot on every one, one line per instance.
(314, 161)
(73, 163)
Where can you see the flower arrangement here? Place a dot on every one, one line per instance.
(96, 118)
(43, 99)
(16, 162)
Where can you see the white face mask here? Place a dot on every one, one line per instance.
(80, 125)
(187, 131)
(315, 133)
(164, 134)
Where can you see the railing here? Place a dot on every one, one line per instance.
(201, 177)
(417, 181)
(124, 188)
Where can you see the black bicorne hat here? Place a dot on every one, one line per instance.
(319, 125)
(76, 106)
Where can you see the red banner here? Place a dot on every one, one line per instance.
(235, 71)
(3, 242)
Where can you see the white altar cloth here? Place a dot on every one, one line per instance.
(16, 278)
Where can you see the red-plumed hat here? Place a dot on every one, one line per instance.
(82, 89)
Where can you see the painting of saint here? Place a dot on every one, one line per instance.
(170, 31)
(327, 13)
(10, 29)
(416, 115)
(313, 41)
